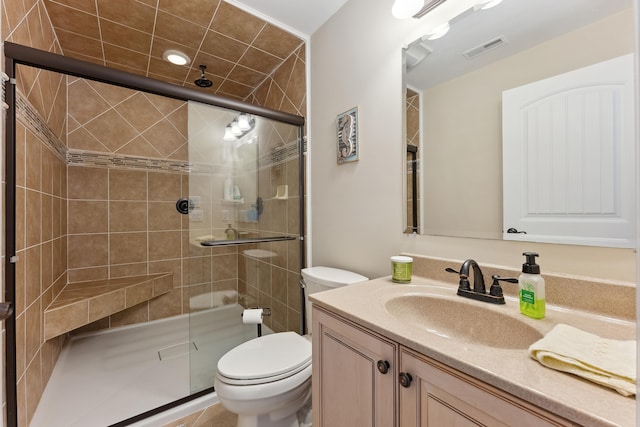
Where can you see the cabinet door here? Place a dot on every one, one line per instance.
(354, 375)
(440, 396)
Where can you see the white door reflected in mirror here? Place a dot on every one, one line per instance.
(568, 156)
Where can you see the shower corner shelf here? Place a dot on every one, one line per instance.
(282, 192)
(81, 303)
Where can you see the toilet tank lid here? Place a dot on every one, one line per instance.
(332, 277)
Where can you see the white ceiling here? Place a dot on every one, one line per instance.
(302, 17)
(523, 24)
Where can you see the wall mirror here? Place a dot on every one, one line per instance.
(454, 113)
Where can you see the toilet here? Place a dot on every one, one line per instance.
(267, 380)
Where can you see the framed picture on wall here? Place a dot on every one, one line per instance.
(348, 149)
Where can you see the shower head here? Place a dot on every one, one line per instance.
(203, 81)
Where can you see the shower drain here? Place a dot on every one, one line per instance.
(177, 350)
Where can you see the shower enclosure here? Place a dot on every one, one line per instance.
(160, 212)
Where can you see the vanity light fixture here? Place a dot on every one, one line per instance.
(239, 127)
(438, 31)
(228, 135)
(243, 122)
(403, 9)
(176, 57)
(486, 4)
(235, 129)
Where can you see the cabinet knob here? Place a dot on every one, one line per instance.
(383, 366)
(405, 379)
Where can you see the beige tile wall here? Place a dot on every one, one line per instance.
(109, 119)
(286, 88)
(124, 223)
(40, 203)
(275, 282)
(41, 272)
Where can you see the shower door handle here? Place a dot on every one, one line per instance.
(5, 310)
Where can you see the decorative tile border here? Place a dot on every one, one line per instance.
(280, 155)
(30, 117)
(116, 161)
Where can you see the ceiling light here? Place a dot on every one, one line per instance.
(438, 31)
(403, 9)
(486, 4)
(176, 57)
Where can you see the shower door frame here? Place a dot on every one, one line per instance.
(16, 54)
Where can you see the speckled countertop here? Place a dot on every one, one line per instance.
(509, 369)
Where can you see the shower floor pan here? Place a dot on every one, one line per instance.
(105, 377)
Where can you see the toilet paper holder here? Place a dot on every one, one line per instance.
(266, 311)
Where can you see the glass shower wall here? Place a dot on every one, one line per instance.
(242, 189)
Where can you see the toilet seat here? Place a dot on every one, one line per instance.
(265, 359)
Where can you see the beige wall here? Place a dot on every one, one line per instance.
(356, 209)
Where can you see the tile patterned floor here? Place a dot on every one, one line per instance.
(213, 416)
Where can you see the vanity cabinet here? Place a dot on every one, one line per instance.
(361, 378)
(438, 395)
(355, 374)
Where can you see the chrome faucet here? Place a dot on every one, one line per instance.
(479, 292)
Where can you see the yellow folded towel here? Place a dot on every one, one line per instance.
(611, 363)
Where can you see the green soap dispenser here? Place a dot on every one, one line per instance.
(531, 285)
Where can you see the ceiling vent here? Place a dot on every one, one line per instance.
(484, 47)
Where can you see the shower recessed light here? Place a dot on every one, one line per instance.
(176, 57)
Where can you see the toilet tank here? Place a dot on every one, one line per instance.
(318, 279)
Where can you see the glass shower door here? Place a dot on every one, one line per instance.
(221, 183)
(243, 247)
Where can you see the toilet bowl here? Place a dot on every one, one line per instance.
(267, 380)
